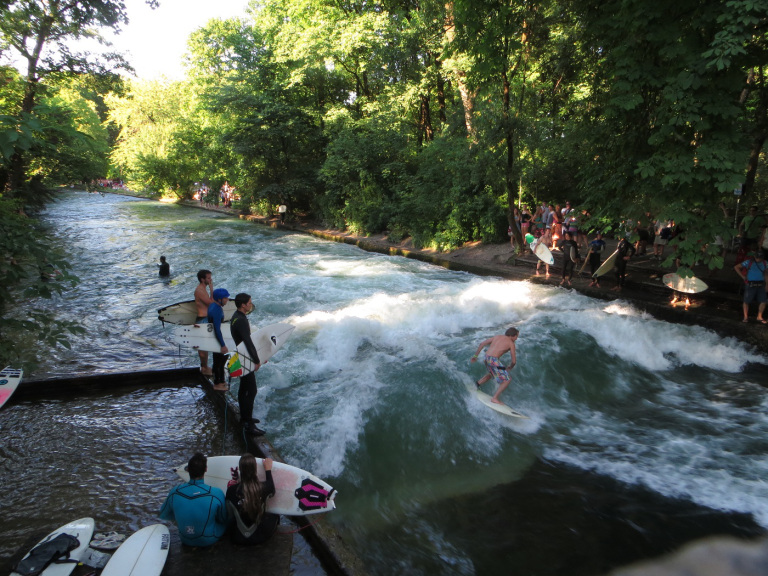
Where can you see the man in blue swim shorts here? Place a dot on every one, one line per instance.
(497, 347)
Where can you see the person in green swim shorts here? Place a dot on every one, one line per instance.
(497, 347)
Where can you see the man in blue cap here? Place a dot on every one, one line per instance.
(216, 317)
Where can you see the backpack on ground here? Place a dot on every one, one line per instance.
(46, 553)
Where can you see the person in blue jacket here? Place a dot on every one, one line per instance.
(216, 317)
(199, 510)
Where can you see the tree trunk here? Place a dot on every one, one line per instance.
(756, 82)
(754, 158)
(509, 180)
(467, 95)
(17, 171)
(440, 92)
(425, 121)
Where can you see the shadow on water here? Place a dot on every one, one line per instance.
(555, 520)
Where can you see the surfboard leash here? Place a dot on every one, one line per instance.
(307, 525)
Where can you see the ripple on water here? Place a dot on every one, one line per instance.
(107, 456)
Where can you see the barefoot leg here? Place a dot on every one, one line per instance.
(483, 380)
(502, 387)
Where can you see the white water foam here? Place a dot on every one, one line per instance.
(382, 339)
(440, 327)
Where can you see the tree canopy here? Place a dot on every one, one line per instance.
(420, 118)
(51, 133)
(432, 120)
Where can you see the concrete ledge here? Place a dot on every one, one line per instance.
(97, 382)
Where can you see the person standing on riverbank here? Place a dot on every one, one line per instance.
(216, 317)
(497, 347)
(199, 510)
(570, 258)
(754, 271)
(626, 251)
(203, 299)
(596, 248)
(241, 332)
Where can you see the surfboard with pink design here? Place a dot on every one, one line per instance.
(9, 381)
(297, 492)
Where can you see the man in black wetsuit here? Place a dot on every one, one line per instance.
(241, 332)
(626, 251)
(569, 263)
(164, 267)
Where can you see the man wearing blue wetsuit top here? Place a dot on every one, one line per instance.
(216, 317)
(199, 510)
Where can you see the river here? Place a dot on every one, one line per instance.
(642, 434)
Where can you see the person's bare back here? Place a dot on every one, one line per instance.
(499, 345)
(203, 297)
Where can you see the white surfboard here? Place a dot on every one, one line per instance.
(542, 252)
(606, 266)
(574, 254)
(297, 492)
(690, 285)
(586, 259)
(81, 529)
(267, 340)
(10, 378)
(186, 312)
(501, 408)
(143, 554)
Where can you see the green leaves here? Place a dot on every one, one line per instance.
(29, 271)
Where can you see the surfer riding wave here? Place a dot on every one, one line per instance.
(497, 347)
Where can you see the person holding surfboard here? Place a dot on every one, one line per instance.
(497, 347)
(625, 251)
(241, 332)
(247, 502)
(203, 299)
(199, 510)
(571, 257)
(596, 248)
(216, 317)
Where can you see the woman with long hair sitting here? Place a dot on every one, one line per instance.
(246, 502)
